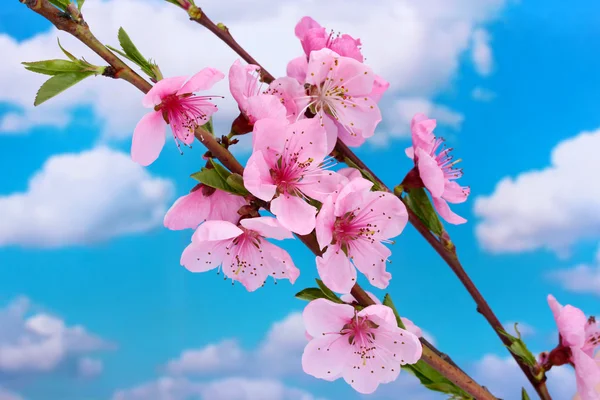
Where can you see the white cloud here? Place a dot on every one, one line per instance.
(551, 208)
(481, 52)
(505, 379)
(226, 355)
(579, 279)
(89, 367)
(40, 342)
(167, 388)
(524, 329)
(82, 198)
(281, 349)
(482, 94)
(429, 38)
(404, 109)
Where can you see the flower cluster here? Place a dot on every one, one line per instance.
(295, 122)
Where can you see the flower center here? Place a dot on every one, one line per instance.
(361, 335)
(348, 228)
(286, 174)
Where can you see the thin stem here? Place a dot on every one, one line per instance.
(448, 255)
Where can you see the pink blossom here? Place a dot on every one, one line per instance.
(597, 388)
(286, 166)
(582, 337)
(314, 37)
(408, 324)
(175, 104)
(365, 348)
(353, 225)
(338, 90)
(203, 204)
(241, 250)
(436, 170)
(283, 98)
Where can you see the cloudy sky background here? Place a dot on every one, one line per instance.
(93, 302)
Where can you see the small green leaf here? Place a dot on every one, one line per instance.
(328, 293)
(52, 67)
(524, 395)
(221, 170)
(71, 56)
(129, 48)
(519, 348)
(62, 4)
(210, 177)
(80, 4)
(311, 294)
(57, 84)
(419, 203)
(387, 301)
(433, 380)
(236, 181)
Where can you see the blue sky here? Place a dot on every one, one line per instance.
(510, 83)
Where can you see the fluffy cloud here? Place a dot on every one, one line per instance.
(505, 379)
(403, 110)
(580, 279)
(482, 94)
(547, 208)
(432, 35)
(224, 356)
(481, 52)
(81, 198)
(36, 344)
(167, 388)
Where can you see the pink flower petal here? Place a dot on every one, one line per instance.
(294, 213)
(278, 263)
(269, 136)
(380, 86)
(241, 83)
(224, 206)
(411, 327)
(319, 64)
(297, 69)
(324, 223)
(587, 374)
(352, 196)
(216, 230)
(323, 316)
(381, 313)
(454, 193)
(336, 270)
(188, 211)
(357, 78)
(203, 80)
(264, 106)
(331, 129)
(292, 96)
(410, 152)
(348, 298)
(371, 260)
(148, 138)
(268, 227)
(163, 88)
(204, 256)
(304, 25)
(307, 139)
(430, 172)
(389, 215)
(321, 185)
(347, 46)
(325, 357)
(571, 325)
(350, 173)
(444, 210)
(257, 177)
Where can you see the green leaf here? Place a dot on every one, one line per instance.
(210, 177)
(57, 84)
(419, 203)
(387, 301)
(129, 48)
(71, 56)
(52, 67)
(433, 380)
(221, 170)
(62, 4)
(80, 4)
(311, 294)
(236, 181)
(519, 348)
(524, 395)
(328, 293)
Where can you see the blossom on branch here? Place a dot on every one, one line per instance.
(580, 338)
(365, 348)
(288, 165)
(353, 225)
(597, 388)
(435, 167)
(203, 204)
(242, 250)
(174, 104)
